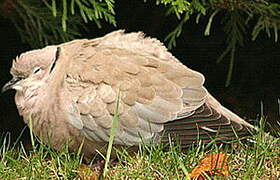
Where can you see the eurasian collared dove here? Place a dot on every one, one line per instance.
(70, 92)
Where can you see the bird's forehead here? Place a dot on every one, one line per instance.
(24, 63)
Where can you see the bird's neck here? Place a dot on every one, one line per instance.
(33, 100)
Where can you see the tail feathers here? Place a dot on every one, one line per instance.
(210, 121)
(226, 112)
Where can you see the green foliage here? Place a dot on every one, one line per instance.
(181, 8)
(41, 23)
(37, 26)
(235, 28)
(53, 21)
(42, 162)
(90, 10)
(259, 160)
(264, 15)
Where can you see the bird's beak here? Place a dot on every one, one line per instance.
(10, 84)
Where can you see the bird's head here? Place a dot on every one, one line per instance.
(31, 69)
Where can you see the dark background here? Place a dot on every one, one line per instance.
(256, 76)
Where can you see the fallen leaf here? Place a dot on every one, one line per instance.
(86, 173)
(212, 164)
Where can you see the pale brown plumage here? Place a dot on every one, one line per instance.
(70, 91)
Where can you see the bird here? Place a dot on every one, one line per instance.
(70, 93)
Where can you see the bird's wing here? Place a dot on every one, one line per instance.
(153, 88)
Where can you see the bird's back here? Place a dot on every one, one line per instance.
(157, 94)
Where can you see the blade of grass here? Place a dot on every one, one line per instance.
(112, 135)
(31, 132)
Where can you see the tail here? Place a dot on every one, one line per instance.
(209, 122)
(226, 112)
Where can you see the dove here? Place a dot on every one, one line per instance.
(68, 93)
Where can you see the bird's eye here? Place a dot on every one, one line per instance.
(36, 70)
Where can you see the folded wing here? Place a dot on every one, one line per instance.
(157, 93)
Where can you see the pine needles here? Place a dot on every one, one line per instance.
(54, 21)
(89, 10)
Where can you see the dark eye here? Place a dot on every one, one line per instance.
(36, 70)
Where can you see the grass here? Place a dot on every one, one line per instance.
(260, 160)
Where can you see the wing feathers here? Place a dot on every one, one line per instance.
(156, 92)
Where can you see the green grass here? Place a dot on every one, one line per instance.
(260, 160)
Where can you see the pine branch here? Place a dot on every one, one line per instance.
(268, 18)
(235, 30)
(181, 8)
(54, 21)
(38, 27)
(90, 10)
(266, 12)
